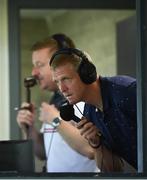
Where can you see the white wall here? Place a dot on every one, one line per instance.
(4, 73)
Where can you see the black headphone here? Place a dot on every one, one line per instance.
(63, 41)
(86, 69)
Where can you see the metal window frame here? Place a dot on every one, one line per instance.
(14, 8)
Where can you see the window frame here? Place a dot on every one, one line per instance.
(14, 8)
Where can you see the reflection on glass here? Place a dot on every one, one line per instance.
(94, 31)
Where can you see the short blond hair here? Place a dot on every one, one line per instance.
(63, 59)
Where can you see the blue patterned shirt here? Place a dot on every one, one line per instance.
(118, 121)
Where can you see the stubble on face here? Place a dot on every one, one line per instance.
(43, 73)
(72, 86)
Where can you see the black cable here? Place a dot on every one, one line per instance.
(102, 158)
(79, 110)
(44, 169)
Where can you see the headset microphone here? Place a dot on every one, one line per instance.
(67, 113)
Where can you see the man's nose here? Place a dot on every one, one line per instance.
(62, 87)
(35, 71)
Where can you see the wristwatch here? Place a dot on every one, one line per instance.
(56, 122)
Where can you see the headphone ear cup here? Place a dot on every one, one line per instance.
(87, 72)
(86, 69)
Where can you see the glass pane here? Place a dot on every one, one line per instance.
(94, 31)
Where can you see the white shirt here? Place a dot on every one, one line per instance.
(60, 156)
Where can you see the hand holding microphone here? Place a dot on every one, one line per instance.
(87, 128)
(67, 113)
(26, 114)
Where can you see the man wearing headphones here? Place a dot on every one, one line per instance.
(59, 142)
(109, 121)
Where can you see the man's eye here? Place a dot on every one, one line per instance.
(67, 80)
(57, 82)
(39, 65)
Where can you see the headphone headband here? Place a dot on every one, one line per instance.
(86, 69)
(68, 51)
(63, 41)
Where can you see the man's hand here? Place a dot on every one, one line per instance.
(25, 117)
(48, 113)
(89, 131)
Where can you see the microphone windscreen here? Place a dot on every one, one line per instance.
(67, 113)
(30, 81)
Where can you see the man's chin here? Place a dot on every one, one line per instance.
(43, 87)
(46, 88)
(71, 101)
